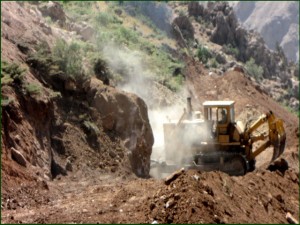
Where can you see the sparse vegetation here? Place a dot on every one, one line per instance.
(55, 94)
(127, 36)
(101, 70)
(48, 20)
(118, 35)
(175, 83)
(254, 70)
(63, 62)
(109, 29)
(69, 58)
(281, 54)
(206, 23)
(213, 63)
(203, 54)
(11, 73)
(285, 104)
(33, 89)
(230, 50)
(43, 61)
(6, 101)
(182, 12)
(79, 9)
(105, 19)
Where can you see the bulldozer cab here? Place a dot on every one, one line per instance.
(219, 114)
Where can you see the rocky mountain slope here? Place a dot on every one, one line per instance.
(219, 25)
(79, 84)
(277, 22)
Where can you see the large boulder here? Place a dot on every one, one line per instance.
(185, 26)
(83, 29)
(225, 29)
(126, 114)
(195, 9)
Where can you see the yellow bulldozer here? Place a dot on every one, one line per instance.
(218, 142)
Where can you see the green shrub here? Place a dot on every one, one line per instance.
(55, 94)
(48, 20)
(175, 83)
(118, 35)
(11, 72)
(69, 58)
(101, 70)
(44, 64)
(6, 80)
(74, 60)
(6, 102)
(254, 70)
(206, 23)
(124, 35)
(203, 54)
(78, 9)
(33, 89)
(147, 21)
(105, 19)
(213, 63)
(182, 12)
(230, 50)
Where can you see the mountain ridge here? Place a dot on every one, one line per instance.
(277, 22)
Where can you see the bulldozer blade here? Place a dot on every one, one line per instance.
(232, 164)
(237, 166)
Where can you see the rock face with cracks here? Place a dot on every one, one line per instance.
(127, 115)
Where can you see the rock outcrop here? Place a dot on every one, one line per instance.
(127, 115)
(26, 121)
(195, 9)
(277, 22)
(228, 32)
(83, 29)
(54, 11)
(185, 27)
(224, 32)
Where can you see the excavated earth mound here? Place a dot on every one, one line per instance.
(75, 159)
(215, 197)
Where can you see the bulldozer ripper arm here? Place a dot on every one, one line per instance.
(276, 136)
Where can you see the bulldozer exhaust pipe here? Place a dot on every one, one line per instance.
(189, 108)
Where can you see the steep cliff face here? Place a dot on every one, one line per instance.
(219, 25)
(277, 22)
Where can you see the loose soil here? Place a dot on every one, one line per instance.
(101, 189)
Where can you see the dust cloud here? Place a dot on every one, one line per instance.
(134, 75)
(157, 118)
(136, 78)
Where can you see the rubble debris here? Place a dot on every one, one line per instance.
(173, 176)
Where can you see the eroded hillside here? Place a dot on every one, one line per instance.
(83, 83)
